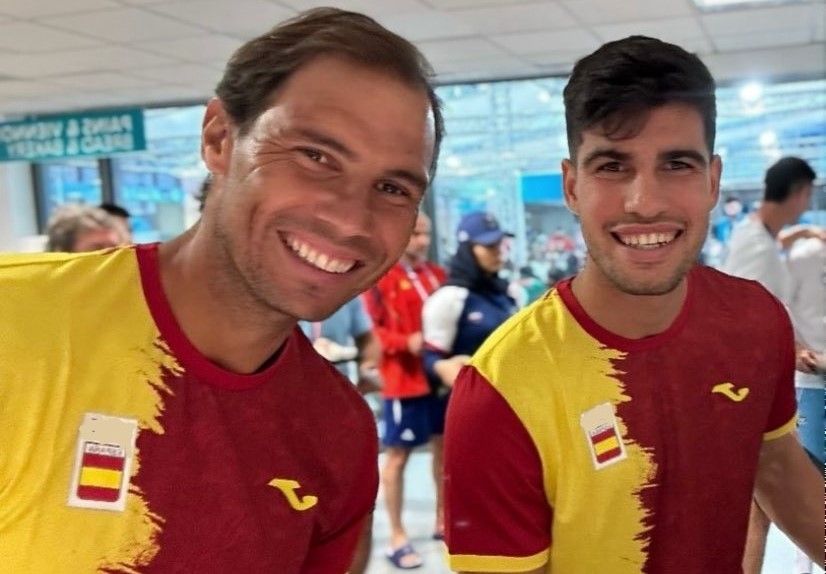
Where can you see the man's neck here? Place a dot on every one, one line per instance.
(222, 323)
(772, 215)
(626, 315)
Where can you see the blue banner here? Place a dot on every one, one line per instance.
(541, 188)
(92, 134)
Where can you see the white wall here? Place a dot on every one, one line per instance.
(18, 219)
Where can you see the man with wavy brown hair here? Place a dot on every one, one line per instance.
(161, 410)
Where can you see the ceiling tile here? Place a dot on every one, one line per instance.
(571, 40)
(124, 25)
(187, 74)
(517, 18)
(175, 50)
(163, 94)
(453, 4)
(669, 30)
(245, 18)
(426, 25)
(614, 11)
(22, 88)
(793, 61)
(99, 81)
(106, 58)
(26, 37)
(40, 8)
(441, 51)
(791, 37)
(556, 59)
(735, 22)
(198, 49)
(484, 65)
(369, 7)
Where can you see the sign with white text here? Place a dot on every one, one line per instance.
(92, 134)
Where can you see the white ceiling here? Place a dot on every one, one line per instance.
(60, 55)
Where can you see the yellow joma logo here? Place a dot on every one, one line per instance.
(727, 390)
(288, 488)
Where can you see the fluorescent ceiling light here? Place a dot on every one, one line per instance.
(751, 93)
(709, 5)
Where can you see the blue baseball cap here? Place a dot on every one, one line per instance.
(481, 228)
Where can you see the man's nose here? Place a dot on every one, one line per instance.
(645, 196)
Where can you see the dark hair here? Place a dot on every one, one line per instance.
(115, 210)
(260, 67)
(615, 86)
(785, 177)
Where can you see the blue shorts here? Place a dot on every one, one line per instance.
(811, 423)
(406, 422)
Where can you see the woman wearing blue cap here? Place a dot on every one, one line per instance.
(460, 315)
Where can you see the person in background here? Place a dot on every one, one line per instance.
(121, 215)
(345, 338)
(757, 243)
(756, 251)
(807, 306)
(733, 213)
(395, 305)
(460, 315)
(528, 287)
(624, 422)
(79, 228)
(161, 410)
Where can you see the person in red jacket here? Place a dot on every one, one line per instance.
(395, 305)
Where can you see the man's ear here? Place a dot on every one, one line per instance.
(216, 138)
(569, 186)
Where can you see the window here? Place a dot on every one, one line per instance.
(69, 181)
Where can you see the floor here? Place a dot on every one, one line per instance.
(418, 518)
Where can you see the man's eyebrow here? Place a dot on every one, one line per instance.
(325, 140)
(684, 153)
(604, 153)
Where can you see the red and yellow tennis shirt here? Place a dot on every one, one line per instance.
(124, 450)
(572, 447)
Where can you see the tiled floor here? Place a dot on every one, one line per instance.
(418, 518)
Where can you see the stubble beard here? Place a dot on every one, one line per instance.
(628, 285)
(242, 277)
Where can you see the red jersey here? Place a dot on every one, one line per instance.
(571, 448)
(126, 450)
(395, 305)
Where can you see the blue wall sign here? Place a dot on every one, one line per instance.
(95, 134)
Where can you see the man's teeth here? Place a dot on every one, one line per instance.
(319, 260)
(647, 240)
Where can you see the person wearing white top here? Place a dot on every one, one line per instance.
(755, 252)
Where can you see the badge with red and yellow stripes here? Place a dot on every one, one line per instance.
(603, 436)
(103, 459)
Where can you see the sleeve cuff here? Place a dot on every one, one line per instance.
(782, 430)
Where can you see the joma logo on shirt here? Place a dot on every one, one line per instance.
(288, 488)
(728, 391)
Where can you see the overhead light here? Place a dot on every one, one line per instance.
(709, 5)
(768, 139)
(751, 93)
(453, 161)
